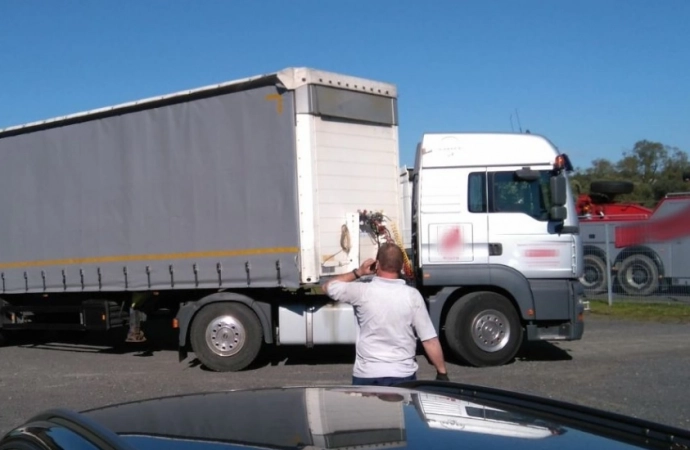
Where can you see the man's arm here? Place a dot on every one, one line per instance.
(427, 334)
(345, 277)
(364, 269)
(432, 347)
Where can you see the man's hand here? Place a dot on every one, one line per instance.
(367, 268)
(442, 376)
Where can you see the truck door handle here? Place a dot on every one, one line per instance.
(495, 249)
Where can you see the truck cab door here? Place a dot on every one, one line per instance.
(520, 233)
(453, 222)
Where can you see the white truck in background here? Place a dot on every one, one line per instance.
(231, 203)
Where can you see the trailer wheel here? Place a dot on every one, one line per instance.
(595, 278)
(226, 337)
(483, 329)
(638, 275)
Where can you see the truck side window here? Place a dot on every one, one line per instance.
(476, 192)
(512, 195)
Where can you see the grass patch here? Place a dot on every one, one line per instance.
(654, 312)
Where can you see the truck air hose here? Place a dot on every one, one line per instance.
(375, 222)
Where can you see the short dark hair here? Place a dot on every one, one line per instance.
(390, 258)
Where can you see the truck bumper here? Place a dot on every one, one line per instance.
(562, 332)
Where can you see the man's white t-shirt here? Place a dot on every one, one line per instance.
(389, 314)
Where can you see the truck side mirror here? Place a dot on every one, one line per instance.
(558, 213)
(559, 190)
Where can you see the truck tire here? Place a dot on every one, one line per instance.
(226, 337)
(483, 329)
(611, 187)
(594, 279)
(638, 275)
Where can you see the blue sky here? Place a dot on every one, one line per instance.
(593, 76)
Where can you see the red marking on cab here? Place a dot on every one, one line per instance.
(451, 240)
(541, 253)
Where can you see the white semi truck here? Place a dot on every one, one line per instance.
(231, 203)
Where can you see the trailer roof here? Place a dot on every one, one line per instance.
(290, 78)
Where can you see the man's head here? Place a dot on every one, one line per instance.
(390, 259)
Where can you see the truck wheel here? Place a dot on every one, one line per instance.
(638, 275)
(483, 329)
(226, 337)
(595, 278)
(612, 187)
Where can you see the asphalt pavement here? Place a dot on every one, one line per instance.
(639, 369)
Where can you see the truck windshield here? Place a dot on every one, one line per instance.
(509, 194)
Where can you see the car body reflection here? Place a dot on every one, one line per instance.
(339, 417)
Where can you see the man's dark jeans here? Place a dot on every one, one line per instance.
(381, 381)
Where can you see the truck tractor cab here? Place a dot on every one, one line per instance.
(496, 241)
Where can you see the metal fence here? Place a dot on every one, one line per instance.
(620, 268)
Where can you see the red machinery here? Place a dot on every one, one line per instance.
(600, 206)
(649, 245)
(600, 203)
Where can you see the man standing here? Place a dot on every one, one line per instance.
(389, 314)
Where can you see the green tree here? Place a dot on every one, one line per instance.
(643, 166)
(671, 178)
